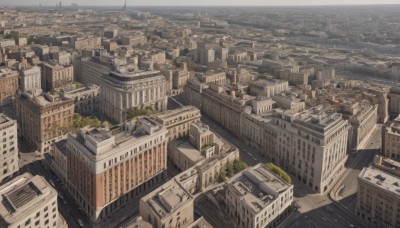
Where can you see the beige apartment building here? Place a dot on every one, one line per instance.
(394, 101)
(378, 193)
(107, 169)
(177, 121)
(87, 42)
(9, 149)
(391, 139)
(256, 198)
(224, 107)
(30, 79)
(312, 146)
(363, 118)
(86, 98)
(8, 85)
(56, 76)
(216, 77)
(295, 78)
(170, 205)
(122, 92)
(43, 119)
(268, 88)
(29, 201)
(193, 90)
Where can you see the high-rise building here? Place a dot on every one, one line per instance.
(121, 92)
(29, 201)
(312, 146)
(106, 169)
(256, 197)
(9, 150)
(43, 119)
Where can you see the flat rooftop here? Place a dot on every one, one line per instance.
(381, 179)
(188, 150)
(168, 198)
(258, 187)
(22, 195)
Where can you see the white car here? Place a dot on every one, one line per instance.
(52, 183)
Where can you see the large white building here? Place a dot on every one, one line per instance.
(257, 198)
(30, 79)
(312, 146)
(9, 150)
(121, 92)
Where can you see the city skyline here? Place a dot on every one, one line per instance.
(202, 3)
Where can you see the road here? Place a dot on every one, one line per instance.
(348, 185)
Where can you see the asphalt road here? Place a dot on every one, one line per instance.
(347, 196)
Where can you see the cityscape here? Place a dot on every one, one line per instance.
(199, 116)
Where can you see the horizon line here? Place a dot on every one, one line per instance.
(287, 5)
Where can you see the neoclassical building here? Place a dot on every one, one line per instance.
(312, 146)
(121, 92)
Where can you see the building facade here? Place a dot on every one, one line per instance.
(29, 201)
(109, 168)
(86, 99)
(122, 92)
(378, 193)
(8, 85)
(43, 119)
(30, 79)
(256, 198)
(9, 149)
(177, 121)
(391, 139)
(56, 76)
(312, 146)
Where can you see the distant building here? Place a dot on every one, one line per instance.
(43, 119)
(268, 88)
(56, 76)
(88, 42)
(30, 79)
(9, 151)
(29, 201)
(178, 121)
(86, 98)
(121, 92)
(256, 197)
(106, 169)
(8, 85)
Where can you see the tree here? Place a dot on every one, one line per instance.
(239, 165)
(229, 167)
(222, 175)
(278, 171)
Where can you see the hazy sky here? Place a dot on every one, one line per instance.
(198, 2)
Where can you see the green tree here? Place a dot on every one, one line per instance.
(278, 171)
(239, 165)
(222, 175)
(229, 167)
